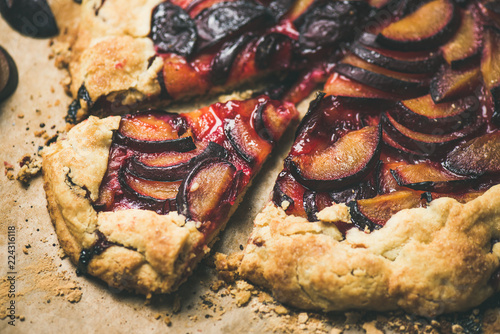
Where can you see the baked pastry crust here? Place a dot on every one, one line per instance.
(425, 261)
(150, 253)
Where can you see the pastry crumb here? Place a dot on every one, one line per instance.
(30, 167)
(217, 285)
(242, 293)
(227, 266)
(281, 310)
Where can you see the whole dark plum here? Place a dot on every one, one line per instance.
(32, 18)
(8, 75)
(173, 30)
(224, 19)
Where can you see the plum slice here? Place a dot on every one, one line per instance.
(393, 143)
(339, 85)
(428, 27)
(345, 161)
(429, 177)
(9, 77)
(423, 143)
(490, 68)
(141, 193)
(417, 63)
(172, 166)
(224, 19)
(204, 191)
(243, 138)
(449, 84)
(142, 187)
(386, 183)
(423, 115)
(32, 18)
(327, 23)
(154, 131)
(465, 46)
(173, 30)
(403, 84)
(268, 47)
(224, 59)
(288, 194)
(476, 157)
(378, 210)
(314, 202)
(268, 121)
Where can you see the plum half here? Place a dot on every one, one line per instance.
(476, 157)
(202, 196)
(424, 29)
(155, 131)
(423, 115)
(428, 177)
(376, 211)
(465, 46)
(345, 161)
(449, 84)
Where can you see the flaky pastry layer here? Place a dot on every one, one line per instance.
(425, 261)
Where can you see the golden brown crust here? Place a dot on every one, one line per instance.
(426, 261)
(151, 253)
(112, 55)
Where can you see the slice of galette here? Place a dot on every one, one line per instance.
(368, 214)
(150, 53)
(138, 200)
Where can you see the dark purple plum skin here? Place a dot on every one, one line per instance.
(224, 19)
(32, 18)
(177, 171)
(182, 198)
(143, 202)
(382, 82)
(418, 66)
(173, 30)
(329, 185)
(183, 144)
(267, 46)
(230, 130)
(359, 219)
(224, 59)
(426, 43)
(9, 77)
(328, 23)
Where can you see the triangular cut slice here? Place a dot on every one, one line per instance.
(354, 211)
(178, 49)
(156, 187)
